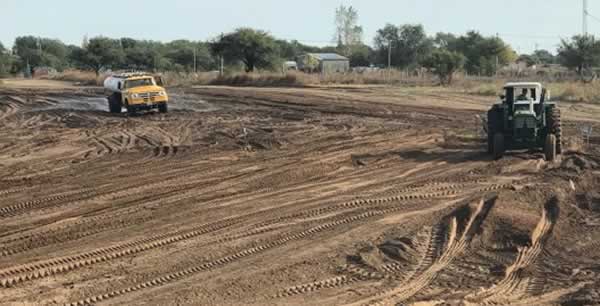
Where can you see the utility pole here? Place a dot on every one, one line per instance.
(39, 45)
(222, 70)
(390, 54)
(195, 66)
(497, 57)
(585, 16)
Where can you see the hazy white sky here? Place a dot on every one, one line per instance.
(523, 23)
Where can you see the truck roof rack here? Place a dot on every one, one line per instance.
(124, 75)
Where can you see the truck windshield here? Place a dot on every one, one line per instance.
(138, 83)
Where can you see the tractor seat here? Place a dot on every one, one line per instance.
(527, 105)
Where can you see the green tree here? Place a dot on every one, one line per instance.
(290, 50)
(101, 53)
(444, 64)
(38, 52)
(255, 48)
(529, 60)
(361, 56)
(141, 58)
(142, 54)
(544, 57)
(579, 53)
(409, 45)
(413, 45)
(6, 61)
(386, 37)
(483, 54)
(445, 40)
(128, 43)
(181, 53)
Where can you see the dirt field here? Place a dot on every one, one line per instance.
(324, 196)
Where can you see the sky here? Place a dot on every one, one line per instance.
(540, 23)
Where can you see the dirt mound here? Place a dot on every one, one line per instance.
(578, 163)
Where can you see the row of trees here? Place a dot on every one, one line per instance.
(405, 46)
(100, 52)
(408, 46)
(247, 48)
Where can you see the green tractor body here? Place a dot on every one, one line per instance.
(524, 119)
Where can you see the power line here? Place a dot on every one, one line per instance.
(593, 17)
(530, 36)
(585, 15)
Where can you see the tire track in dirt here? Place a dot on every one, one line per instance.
(514, 285)
(455, 247)
(425, 244)
(118, 251)
(9, 110)
(455, 191)
(164, 191)
(7, 192)
(16, 209)
(169, 182)
(260, 227)
(329, 283)
(267, 245)
(15, 275)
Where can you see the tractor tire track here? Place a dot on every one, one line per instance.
(214, 264)
(455, 246)
(514, 285)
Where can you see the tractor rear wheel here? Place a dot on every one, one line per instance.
(550, 147)
(498, 147)
(555, 128)
(493, 126)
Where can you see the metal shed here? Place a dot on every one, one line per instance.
(324, 63)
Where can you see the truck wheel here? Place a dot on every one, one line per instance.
(114, 105)
(550, 147)
(555, 128)
(498, 147)
(163, 108)
(130, 109)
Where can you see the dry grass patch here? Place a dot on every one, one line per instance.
(79, 77)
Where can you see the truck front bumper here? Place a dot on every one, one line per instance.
(148, 101)
(145, 106)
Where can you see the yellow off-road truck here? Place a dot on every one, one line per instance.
(136, 92)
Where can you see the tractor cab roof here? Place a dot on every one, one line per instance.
(523, 85)
(534, 96)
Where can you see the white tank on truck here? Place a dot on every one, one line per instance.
(136, 92)
(114, 83)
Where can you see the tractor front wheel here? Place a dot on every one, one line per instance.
(498, 147)
(550, 147)
(494, 121)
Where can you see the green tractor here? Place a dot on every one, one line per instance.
(524, 120)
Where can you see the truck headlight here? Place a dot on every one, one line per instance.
(135, 96)
(162, 93)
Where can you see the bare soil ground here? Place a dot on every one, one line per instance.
(324, 196)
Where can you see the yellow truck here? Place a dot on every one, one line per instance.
(136, 92)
